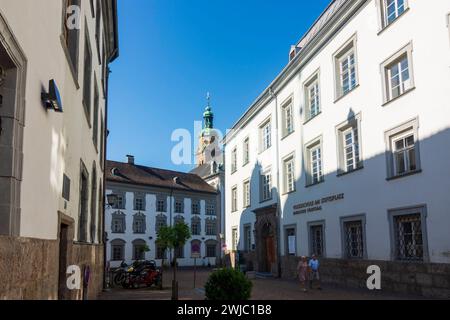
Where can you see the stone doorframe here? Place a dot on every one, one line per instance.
(12, 117)
(69, 222)
(266, 216)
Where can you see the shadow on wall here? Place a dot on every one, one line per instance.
(428, 183)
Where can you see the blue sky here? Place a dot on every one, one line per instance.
(173, 51)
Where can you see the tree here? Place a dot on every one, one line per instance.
(164, 242)
(173, 238)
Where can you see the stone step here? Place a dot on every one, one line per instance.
(264, 275)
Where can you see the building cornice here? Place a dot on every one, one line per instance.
(111, 184)
(334, 24)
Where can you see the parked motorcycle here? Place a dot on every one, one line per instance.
(142, 274)
(119, 274)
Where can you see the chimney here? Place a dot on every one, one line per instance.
(130, 159)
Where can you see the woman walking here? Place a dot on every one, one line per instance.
(302, 269)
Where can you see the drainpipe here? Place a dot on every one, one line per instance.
(277, 179)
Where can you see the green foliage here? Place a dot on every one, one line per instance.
(164, 237)
(173, 237)
(228, 284)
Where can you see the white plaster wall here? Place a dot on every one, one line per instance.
(151, 214)
(367, 190)
(54, 143)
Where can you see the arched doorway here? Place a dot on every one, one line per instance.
(266, 240)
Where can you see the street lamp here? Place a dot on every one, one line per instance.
(112, 200)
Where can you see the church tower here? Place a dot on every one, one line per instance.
(208, 151)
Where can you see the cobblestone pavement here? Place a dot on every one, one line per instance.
(263, 289)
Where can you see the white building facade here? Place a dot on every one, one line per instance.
(149, 198)
(344, 155)
(54, 68)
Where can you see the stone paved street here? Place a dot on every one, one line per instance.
(263, 289)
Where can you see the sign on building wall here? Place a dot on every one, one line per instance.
(195, 250)
(316, 205)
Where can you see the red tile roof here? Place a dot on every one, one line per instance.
(154, 177)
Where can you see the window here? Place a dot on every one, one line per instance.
(346, 68)
(161, 204)
(317, 240)
(289, 174)
(178, 220)
(392, 9)
(71, 35)
(398, 76)
(403, 156)
(160, 253)
(210, 208)
(348, 138)
(118, 222)
(139, 203)
(314, 162)
(94, 190)
(139, 247)
(234, 199)
(247, 238)
(353, 237)
(266, 185)
(179, 252)
(66, 188)
(312, 97)
(196, 226)
(195, 207)
(246, 151)
(161, 221)
(290, 241)
(234, 160)
(409, 233)
(87, 82)
(120, 202)
(96, 115)
(102, 140)
(211, 227)
(234, 239)
(179, 206)
(247, 195)
(287, 117)
(211, 249)
(266, 135)
(97, 27)
(84, 204)
(139, 225)
(117, 250)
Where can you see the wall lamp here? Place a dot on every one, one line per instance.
(52, 99)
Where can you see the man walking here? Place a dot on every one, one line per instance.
(314, 269)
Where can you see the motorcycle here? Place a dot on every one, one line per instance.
(119, 274)
(143, 273)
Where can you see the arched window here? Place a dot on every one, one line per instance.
(139, 249)
(178, 219)
(211, 227)
(161, 221)
(196, 226)
(117, 250)
(118, 222)
(139, 225)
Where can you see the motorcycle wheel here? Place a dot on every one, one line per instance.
(119, 279)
